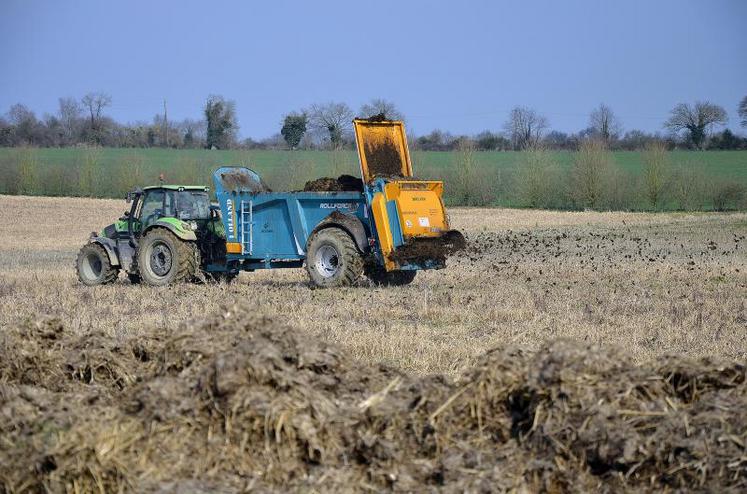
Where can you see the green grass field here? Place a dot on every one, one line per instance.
(109, 172)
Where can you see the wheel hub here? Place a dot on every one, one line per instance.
(160, 259)
(327, 261)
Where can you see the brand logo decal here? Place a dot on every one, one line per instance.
(338, 205)
(230, 220)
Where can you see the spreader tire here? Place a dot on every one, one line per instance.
(162, 258)
(381, 277)
(332, 259)
(93, 266)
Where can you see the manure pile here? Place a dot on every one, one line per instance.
(237, 402)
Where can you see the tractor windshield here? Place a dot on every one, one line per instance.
(188, 205)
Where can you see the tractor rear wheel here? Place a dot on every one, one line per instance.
(162, 258)
(93, 266)
(379, 276)
(332, 259)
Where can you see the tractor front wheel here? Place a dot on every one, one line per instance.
(162, 258)
(93, 266)
(332, 259)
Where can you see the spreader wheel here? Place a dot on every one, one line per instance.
(332, 259)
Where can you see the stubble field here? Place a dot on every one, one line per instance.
(561, 351)
(651, 284)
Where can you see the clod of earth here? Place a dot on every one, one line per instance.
(237, 402)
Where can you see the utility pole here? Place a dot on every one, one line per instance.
(165, 124)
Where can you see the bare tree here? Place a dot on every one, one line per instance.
(70, 114)
(605, 123)
(525, 127)
(26, 124)
(95, 104)
(193, 132)
(331, 120)
(378, 106)
(696, 120)
(742, 111)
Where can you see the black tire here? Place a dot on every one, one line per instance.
(94, 267)
(379, 276)
(332, 259)
(162, 258)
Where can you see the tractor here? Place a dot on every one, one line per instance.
(387, 225)
(164, 237)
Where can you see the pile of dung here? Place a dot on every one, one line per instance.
(379, 117)
(237, 402)
(240, 180)
(339, 184)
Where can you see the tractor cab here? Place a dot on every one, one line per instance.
(175, 204)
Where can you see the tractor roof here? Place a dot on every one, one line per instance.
(202, 188)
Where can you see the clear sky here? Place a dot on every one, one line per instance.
(456, 65)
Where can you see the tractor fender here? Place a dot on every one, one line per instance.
(350, 224)
(176, 227)
(110, 246)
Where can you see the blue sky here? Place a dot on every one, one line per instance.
(459, 66)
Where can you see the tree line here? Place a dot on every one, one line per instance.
(700, 125)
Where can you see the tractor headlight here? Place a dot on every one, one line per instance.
(189, 225)
(193, 226)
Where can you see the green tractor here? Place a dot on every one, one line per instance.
(170, 234)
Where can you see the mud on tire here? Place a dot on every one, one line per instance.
(162, 258)
(332, 259)
(94, 267)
